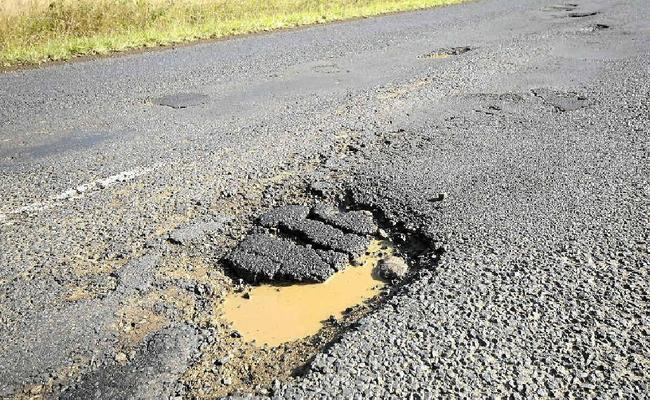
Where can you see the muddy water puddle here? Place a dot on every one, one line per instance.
(269, 333)
(273, 314)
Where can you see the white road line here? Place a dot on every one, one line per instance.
(77, 192)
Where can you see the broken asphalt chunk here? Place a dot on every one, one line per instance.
(263, 258)
(359, 222)
(296, 243)
(283, 214)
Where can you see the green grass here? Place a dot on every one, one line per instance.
(37, 31)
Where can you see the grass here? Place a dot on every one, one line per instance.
(37, 31)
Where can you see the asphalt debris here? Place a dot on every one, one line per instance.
(358, 222)
(296, 243)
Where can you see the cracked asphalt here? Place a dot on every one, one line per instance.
(126, 180)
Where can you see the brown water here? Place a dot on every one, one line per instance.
(279, 314)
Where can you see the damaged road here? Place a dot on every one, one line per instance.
(502, 147)
(327, 247)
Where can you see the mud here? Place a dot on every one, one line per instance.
(276, 314)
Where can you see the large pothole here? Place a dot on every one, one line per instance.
(272, 315)
(301, 279)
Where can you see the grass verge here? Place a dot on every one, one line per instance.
(38, 31)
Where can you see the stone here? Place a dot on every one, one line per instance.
(392, 268)
(121, 357)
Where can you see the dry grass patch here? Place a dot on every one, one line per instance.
(36, 31)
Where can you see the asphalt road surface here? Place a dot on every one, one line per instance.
(510, 136)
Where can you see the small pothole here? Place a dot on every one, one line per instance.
(582, 14)
(595, 28)
(561, 7)
(446, 52)
(327, 68)
(560, 101)
(182, 100)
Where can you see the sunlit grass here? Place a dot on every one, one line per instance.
(36, 31)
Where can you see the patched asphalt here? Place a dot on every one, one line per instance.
(127, 181)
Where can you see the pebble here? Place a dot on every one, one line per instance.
(392, 268)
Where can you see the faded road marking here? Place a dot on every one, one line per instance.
(76, 192)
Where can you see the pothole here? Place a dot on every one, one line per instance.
(561, 7)
(560, 101)
(302, 277)
(327, 68)
(446, 52)
(595, 28)
(182, 100)
(276, 314)
(582, 14)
